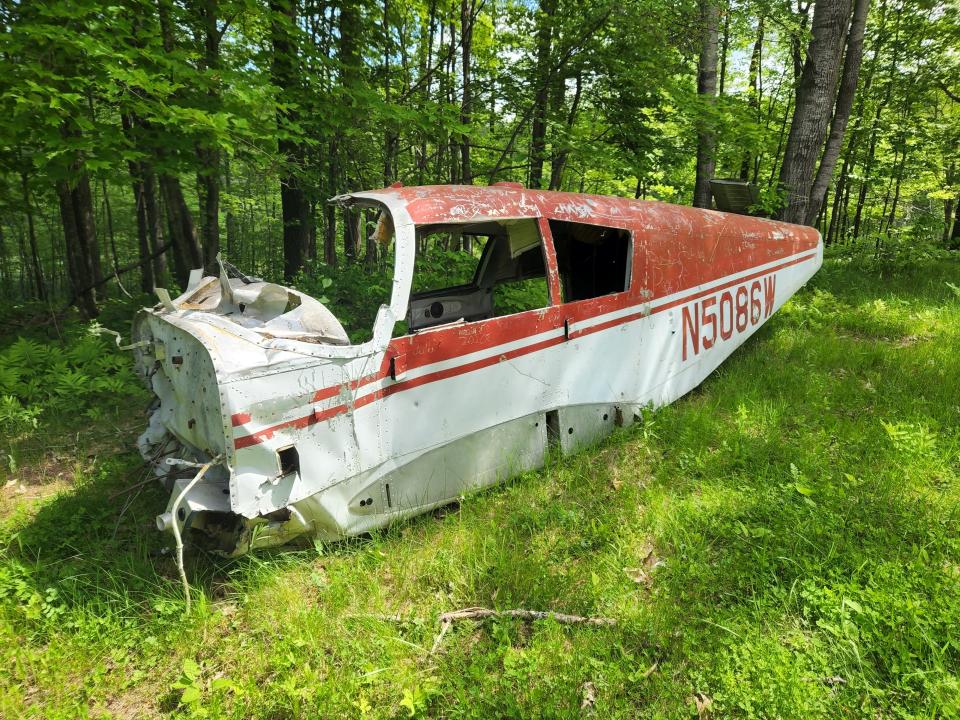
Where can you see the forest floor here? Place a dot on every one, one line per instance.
(782, 542)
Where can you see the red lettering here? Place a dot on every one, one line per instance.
(755, 307)
(726, 315)
(769, 292)
(710, 320)
(691, 326)
(741, 308)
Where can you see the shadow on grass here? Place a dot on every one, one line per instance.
(762, 526)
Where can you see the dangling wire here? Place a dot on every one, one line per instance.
(176, 525)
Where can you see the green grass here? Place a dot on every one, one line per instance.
(796, 521)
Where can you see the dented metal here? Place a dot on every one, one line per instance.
(324, 438)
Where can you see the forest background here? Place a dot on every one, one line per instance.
(140, 138)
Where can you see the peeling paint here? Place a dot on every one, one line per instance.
(320, 437)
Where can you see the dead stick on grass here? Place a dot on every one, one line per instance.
(131, 488)
(447, 619)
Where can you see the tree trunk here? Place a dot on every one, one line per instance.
(154, 223)
(186, 249)
(948, 204)
(561, 155)
(466, 35)
(208, 152)
(724, 49)
(147, 280)
(753, 96)
(955, 233)
(390, 137)
(76, 214)
(349, 55)
(841, 114)
(330, 210)
(707, 90)
(233, 226)
(796, 51)
(896, 193)
(538, 139)
(110, 234)
(35, 266)
(351, 234)
(295, 208)
(815, 101)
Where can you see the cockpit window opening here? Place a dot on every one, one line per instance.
(593, 260)
(498, 268)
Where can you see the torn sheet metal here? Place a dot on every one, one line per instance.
(325, 438)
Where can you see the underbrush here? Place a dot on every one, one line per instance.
(71, 378)
(784, 542)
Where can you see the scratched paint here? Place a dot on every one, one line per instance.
(324, 438)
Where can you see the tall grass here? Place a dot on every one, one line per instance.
(783, 542)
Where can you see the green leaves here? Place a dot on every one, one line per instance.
(188, 682)
(40, 380)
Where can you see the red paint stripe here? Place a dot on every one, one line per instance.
(334, 390)
(240, 418)
(318, 416)
(684, 300)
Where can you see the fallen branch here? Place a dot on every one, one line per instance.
(481, 613)
(447, 619)
(117, 273)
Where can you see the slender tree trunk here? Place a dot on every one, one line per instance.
(753, 98)
(538, 140)
(295, 208)
(207, 152)
(948, 204)
(233, 225)
(35, 266)
(466, 35)
(796, 50)
(351, 234)
(724, 48)
(147, 279)
(955, 233)
(349, 55)
(561, 155)
(186, 249)
(865, 182)
(390, 136)
(450, 99)
(707, 90)
(839, 193)
(896, 193)
(154, 222)
(841, 114)
(330, 210)
(815, 101)
(187, 254)
(4, 268)
(76, 214)
(108, 212)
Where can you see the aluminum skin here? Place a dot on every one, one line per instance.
(326, 439)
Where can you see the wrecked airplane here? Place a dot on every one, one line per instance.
(299, 431)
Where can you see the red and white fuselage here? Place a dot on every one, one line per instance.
(396, 426)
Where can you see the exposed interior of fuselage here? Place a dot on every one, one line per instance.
(510, 272)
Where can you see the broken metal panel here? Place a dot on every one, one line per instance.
(334, 439)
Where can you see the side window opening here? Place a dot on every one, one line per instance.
(476, 271)
(593, 260)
